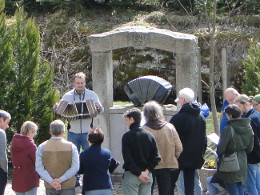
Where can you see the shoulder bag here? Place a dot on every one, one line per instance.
(229, 163)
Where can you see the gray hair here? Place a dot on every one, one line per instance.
(232, 91)
(153, 112)
(57, 127)
(5, 115)
(243, 98)
(80, 75)
(27, 127)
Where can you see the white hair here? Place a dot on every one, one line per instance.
(187, 94)
(232, 91)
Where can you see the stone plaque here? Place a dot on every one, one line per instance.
(139, 40)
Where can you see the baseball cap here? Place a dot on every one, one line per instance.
(257, 98)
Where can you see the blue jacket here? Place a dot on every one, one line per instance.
(94, 165)
(254, 156)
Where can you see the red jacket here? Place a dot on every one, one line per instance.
(23, 151)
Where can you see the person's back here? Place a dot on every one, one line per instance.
(57, 162)
(140, 154)
(140, 145)
(57, 159)
(94, 164)
(169, 145)
(25, 178)
(191, 127)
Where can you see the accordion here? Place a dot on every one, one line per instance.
(78, 110)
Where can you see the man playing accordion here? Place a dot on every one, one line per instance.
(79, 106)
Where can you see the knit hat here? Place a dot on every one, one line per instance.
(257, 98)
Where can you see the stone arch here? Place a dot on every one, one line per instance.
(101, 45)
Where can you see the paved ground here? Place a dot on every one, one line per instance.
(116, 191)
(41, 190)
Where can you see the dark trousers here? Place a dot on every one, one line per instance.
(188, 176)
(3, 181)
(165, 181)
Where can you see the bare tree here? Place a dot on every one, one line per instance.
(212, 68)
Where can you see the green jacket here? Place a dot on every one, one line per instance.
(243, 138)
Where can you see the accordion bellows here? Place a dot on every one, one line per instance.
(77, 110)
(147, 88)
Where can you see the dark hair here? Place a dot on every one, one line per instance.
(135, 114)
(233, 110)
(96, 136)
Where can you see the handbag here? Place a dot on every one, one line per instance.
(229, 163)
(113, 165)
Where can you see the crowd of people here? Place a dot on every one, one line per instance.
(170, 153)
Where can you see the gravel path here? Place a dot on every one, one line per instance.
(41, 190)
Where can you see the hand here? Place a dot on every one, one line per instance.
(98, 107)
(144, 177)
(55, 106)
(56, 184)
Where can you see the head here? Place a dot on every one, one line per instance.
(185, 95)
(57, 128)
(153, 112)
(96, 136)
(256, 102)
(132, 116)
(29, 129)
(230, 95)
(244, 103)
(5, 118)
(79, 81)
(233, 111)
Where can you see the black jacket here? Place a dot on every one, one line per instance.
(254, 156)
(139, 150)
(191, 127)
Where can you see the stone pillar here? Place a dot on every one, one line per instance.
(102, 77)
(187, 72)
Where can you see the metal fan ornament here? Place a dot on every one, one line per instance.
(146, 88)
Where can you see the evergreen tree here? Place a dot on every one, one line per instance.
(26, 81)
(6, 59)
(26, 46)
(6, 66)
(45, 98)
(251, 84)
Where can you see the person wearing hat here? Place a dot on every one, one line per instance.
(252, 184)
(191, 127)
(256, 102)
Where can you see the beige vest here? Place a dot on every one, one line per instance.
(57, 159)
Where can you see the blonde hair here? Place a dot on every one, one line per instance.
(27, 127)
